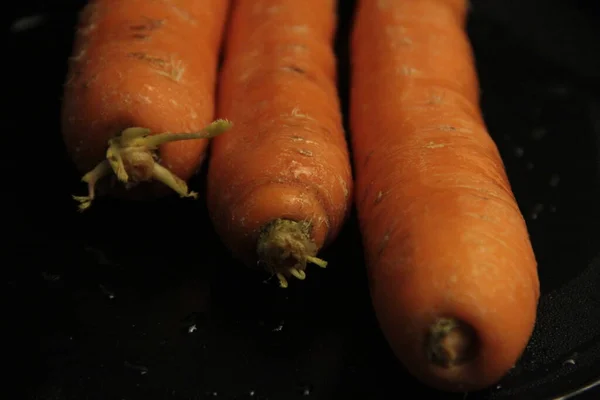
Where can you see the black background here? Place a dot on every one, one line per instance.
(102, 305)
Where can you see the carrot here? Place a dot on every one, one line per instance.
(141, 67)
(452, 273)
(279, 183)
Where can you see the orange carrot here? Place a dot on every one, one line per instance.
(453, 276)
(142, 67)
(279, 182)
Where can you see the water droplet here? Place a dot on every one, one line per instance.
(518, 151)
(279, 327)
(107, 293)
(306, 390)
(537, 209)
(554, 180)
(538, 133)
(529, 166)
(192, 328)
(27, 23)
(143, 370)
(559, 89)
(50, 277)
(99, 256)
(251, 393)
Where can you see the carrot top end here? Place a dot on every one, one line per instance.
(131, 157)
(285, 247)
(451, 343)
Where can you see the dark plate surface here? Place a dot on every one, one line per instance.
(142, 301)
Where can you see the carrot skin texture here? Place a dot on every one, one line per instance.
(286, 157)
(444, 238)
(149, 64)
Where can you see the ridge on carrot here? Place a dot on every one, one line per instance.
(134, 77)
(279, 182)
(132, 158)
(453, 276)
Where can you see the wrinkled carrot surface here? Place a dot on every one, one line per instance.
(452, 272)
(150, 66)
(279, 183)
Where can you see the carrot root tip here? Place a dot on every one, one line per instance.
(298, 274)
(285, 247)
(171, 180)
(130, 157)
(84, 202)
(451, 343)
(317, 261)
(99, 172)
(283, 283)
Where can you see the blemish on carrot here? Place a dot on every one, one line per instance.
(301, 171)
(406, 41)
(140, 36)
(408, 71)
(86, 30)
(433, 145)
(273, 9)
(174, 70)
(379, 197)
(344, 186)
(145, 99)
(297, 113)
(296, 138)
(299, 28)
(69, 82)
(383, 4)
(436, 99)
(384, 242)
(149, 25)
(293, 68)
(477, 214)
(89, 82)
(145, 57)
(183, 14)
(244, 76)
(395, 31)
(305, 152)
(297, 47)
(446, 128)
(79, 56)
